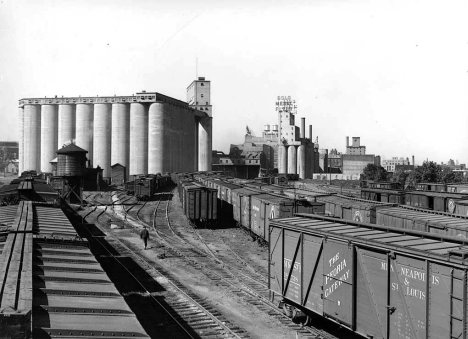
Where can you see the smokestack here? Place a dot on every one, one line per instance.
(310, 133)
(302, 128)
(347, 141)
(413, 160)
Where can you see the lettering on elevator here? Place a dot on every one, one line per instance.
(337, 274)
(410, 277)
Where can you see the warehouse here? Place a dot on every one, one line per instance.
(146, 133)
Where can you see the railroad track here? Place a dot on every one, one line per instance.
(190, 313)
(248, 285)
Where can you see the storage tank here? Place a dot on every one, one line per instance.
(84, 128)
(120, 151)
(138, 139)
(102, 138)
(49, 136)
(292, 160)
(274, 128)
(157, 139)
(66, 124)
(71, 161)
(32, 138)
(267, 128)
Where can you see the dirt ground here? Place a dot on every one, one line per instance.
(235, 308)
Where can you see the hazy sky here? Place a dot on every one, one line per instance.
(394, 73)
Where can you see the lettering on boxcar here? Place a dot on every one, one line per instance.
(336, 276)
(410, 275)
(288, 264)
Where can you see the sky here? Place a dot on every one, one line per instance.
(394, 73)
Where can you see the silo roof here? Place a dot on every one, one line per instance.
(72, 148)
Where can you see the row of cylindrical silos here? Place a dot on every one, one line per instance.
(296, 159)
(143, 137)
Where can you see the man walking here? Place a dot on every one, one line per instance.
(145, 236)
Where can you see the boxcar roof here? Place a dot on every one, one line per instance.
(382, 190)
(440, 194)
(430, 245)
(353, 202)
(435, 219)
(229, 185)
(461, 202)
(272, 198)
(247, 191)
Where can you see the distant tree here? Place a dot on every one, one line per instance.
(375, 173)
(400, 177)
(429, 171)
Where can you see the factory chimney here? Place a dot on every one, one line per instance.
(302, 128)
(310, 133)
(347, 141)
(413, 160)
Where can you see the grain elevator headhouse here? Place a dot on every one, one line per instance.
(147, 133)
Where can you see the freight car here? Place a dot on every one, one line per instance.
(379, 282)
(28, 189)
(144, 187)
(423, 220)
(437, 201)
(342, 207)
(199, 203)
(383, 195)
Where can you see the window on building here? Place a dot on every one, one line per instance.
(202, 84)
(201, 95)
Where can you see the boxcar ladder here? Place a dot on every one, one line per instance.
(454, 319)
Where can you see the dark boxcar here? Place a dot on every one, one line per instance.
(191, 201)
(384, 185)
(437, 201)
(273, 189)
(351, 208)
(380, 282)
(423, 220)
(383, 195)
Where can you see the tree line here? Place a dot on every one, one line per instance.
(429, 171)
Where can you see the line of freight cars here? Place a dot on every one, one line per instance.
(251, 205)
(451, 198)
(144, 187)
(28, 188)
(379, 282)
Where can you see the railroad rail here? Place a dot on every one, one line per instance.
(193, 315)
(240, 283)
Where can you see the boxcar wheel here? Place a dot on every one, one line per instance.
(288, 310)
(307, 321)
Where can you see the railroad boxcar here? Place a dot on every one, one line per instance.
(457, 188)
(225, 189)
(191, 201)
(209, 204)
(354, 209)
(273, 189)
(423, 220)
(461, 207)
(380, 282)
(241, 202)
(383, 195)
(384, 185)
(437, 201)
(264, 207)
(429, 186)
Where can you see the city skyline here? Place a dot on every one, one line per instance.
(393, 73)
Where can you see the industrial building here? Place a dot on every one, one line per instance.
(295, 151)
(390, 164)
(356, 159)
(146, 133)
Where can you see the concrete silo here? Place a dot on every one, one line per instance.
(292, 160)
(66, 123)
(21, 140)
(157, 142)
(120, 151)
(32, 138)
(138, 138)
(102, 138)
(49, 136)
(84, 128)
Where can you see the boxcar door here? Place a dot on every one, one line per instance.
(337, 281)
(408, 292)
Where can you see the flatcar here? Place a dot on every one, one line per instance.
(379, 282)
